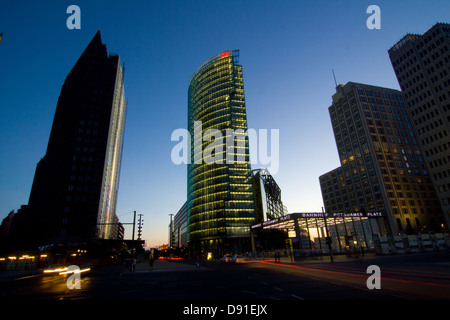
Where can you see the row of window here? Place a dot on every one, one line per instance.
(378, 94)
(437, 150)
(430, 126)
(444, 161)
(438, 136)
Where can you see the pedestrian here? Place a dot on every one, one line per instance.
(151, 262)
(197, 262)
(133, 264)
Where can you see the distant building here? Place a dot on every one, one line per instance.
(6, 224)
(118, 230)
(382, 165)
(422, 66)
(178, 229)
(74, 192)
(267, 195)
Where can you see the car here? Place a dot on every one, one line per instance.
(238, 259)
(226, 258)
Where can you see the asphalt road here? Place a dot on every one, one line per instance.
(415, 277)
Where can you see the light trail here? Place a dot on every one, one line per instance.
(425, 283)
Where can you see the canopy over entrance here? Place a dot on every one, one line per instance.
(323, 230)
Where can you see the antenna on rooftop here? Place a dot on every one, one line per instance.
(334, 77)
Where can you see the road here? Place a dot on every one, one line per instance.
(414, 277)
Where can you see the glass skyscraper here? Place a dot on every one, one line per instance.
(219, 194)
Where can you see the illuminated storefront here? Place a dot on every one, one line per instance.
(354, 231)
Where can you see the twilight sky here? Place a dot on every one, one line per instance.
(287, 49)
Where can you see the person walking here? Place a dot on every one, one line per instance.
(151, 261)
(197, 262)
(277, 256)
(133, 264)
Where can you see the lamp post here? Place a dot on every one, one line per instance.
(328, 239)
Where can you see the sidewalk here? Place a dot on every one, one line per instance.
(369, 257)
(318, 259)
(165, 265)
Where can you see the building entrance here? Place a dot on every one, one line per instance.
(322, 232)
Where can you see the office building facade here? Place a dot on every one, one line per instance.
(422, 66)
(219, 194)
(74, 192)
(267, 196)
(382, 165)
(178, 229)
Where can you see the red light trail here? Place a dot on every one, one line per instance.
(426, 283)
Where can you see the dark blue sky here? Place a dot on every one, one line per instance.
(287, 49)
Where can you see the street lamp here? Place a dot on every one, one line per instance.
(328, 238)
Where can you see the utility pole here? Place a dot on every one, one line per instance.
(170, 231)
(132, 236)
(140, 224)
(134, 225)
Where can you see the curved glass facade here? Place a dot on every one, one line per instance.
(219, 194)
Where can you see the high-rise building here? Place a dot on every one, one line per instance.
(422, 66)
(178, 229)
(74, 192)
(382, 166)
(267, 194)
(219, 193)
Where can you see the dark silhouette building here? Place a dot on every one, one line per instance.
(74, 192)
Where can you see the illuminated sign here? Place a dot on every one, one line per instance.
(224, 54)
(306, 215)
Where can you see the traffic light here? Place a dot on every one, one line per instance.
(288, 243)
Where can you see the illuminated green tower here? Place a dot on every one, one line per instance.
(219, 193)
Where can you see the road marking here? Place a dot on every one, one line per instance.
(297, 297)
(129, 291)
(276, 288)
(196, 284)
(250, 292)
(27, 277)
